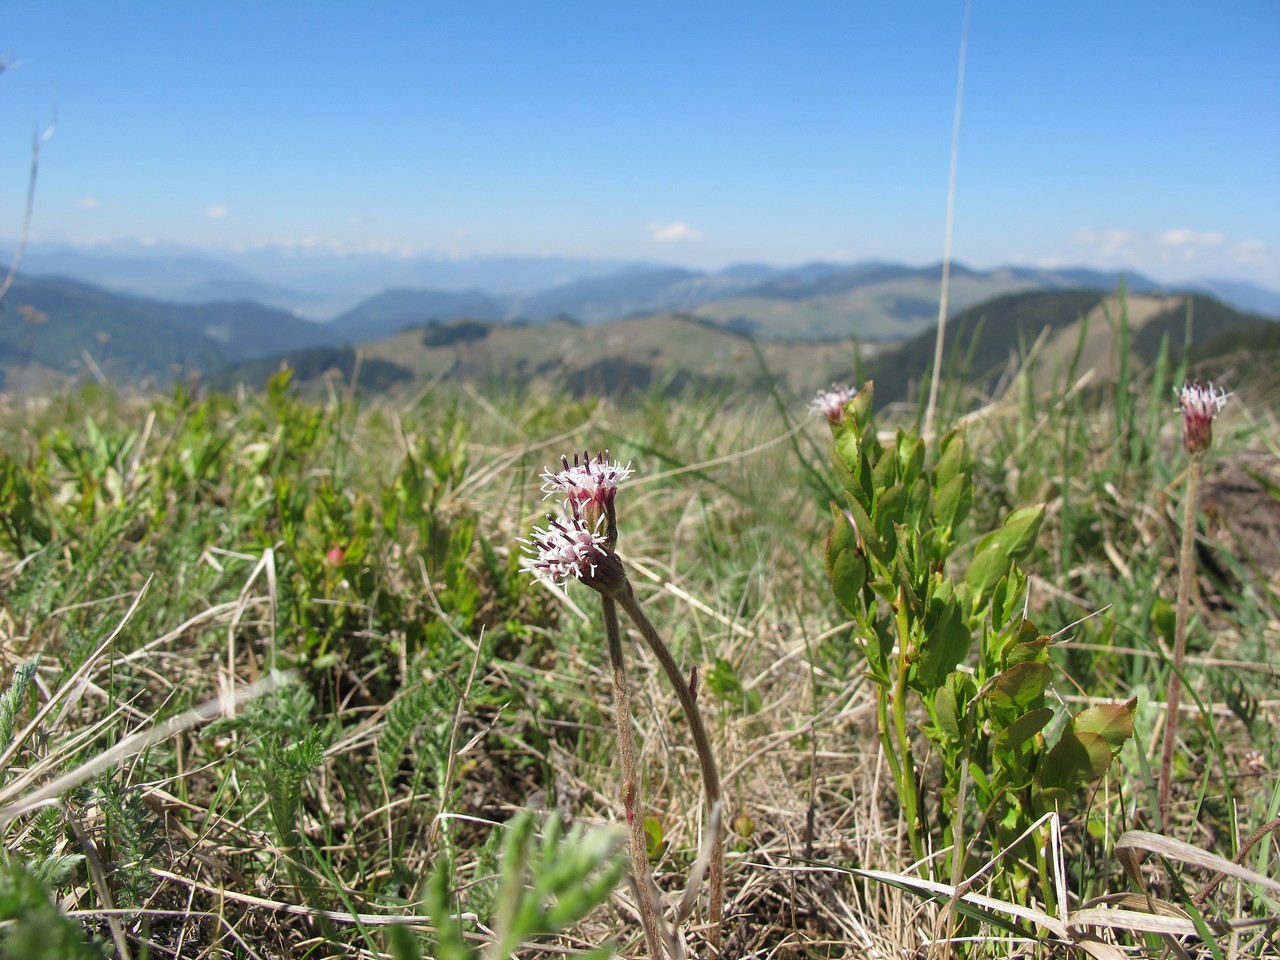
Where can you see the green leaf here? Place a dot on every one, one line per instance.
(864, 528)
(886, 471)
(891, 508)
(998, 550)
(1020, 530)
(856, 475)
(1111, 721)
(1020, 686)
(910, 458)
(1029, 645)
(656, 840)
(987, 569)
(954, 461)
(1074, 760)
(945, 712)
(846, 566)
(946, 643)
(979, 777)
(1023, 729)
(918, 502)
(952, 502)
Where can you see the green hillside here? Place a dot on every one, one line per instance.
(63, 327)
(1071, 331)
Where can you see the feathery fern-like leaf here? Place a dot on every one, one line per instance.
(11, 699)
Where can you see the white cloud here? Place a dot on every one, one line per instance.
(329, 245)
(90, 203)
(216, 212)
(1181, 243)
(1111, 242)
(1183, 237)
(677, 231)
(1174, 253)
(1250, 252)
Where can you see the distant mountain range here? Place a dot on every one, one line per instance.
(321, 284)
(214, 315)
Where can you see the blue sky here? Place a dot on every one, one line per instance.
(1131, 134)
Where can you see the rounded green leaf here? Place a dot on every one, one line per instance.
(1074, 760)
(845, 564)
(1111, 721)
(1023, 729)
(1020, 686)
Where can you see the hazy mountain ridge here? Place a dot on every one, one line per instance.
(392, 310)
(66, 325)
(321, 283)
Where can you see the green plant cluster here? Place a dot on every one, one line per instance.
(333, 557)
(546, 884)
(959, 645)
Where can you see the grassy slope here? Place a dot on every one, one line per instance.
(659, 348)
(1079, 328)
(887, 310)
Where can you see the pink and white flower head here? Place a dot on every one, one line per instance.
(831, 403)
(589, 485)
(1200, 403)
(566, 548)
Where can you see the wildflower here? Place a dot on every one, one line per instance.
(567, 547)
(1200, 403)
(831, 403)
(589, 485)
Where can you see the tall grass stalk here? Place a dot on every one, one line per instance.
(931, 407)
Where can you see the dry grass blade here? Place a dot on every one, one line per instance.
(1186, 853)
(1163, 922)
(130, 746)
(1061, 930)
(73, 687)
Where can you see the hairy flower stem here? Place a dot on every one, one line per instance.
(702, 744)
(649, 918)
(1186, 572)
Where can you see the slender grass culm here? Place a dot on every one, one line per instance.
(581, 544)
(1200, 403)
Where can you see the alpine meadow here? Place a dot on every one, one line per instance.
(307, 673)
(493, 480)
